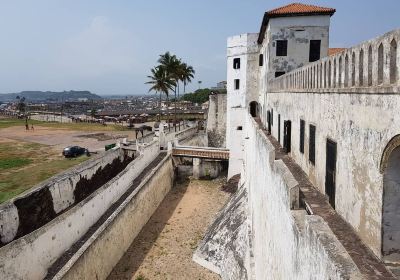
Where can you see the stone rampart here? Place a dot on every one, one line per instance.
(287, 243)
(30, 256)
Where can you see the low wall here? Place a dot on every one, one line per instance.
(98, 256)
(286, 243)
(30, 256)
(43, 202)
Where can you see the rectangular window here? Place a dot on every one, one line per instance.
(281, 48)
(311, 154)
(315, 50)
(279, 128)
(272, 117)
(279, 73)
(261, 60)
(302, 128)
(236, 63)
(239, 128)
(237, 84)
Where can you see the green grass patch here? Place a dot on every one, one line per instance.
(24, 165)
(7, 163)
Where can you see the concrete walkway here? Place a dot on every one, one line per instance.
(165, 246)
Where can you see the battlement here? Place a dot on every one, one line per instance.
(366, 68)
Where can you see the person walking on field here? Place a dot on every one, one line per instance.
(32, 128)
(26, 127)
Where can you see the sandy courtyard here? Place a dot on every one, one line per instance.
(164, 247)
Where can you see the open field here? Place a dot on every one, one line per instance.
(30, 157)
(5, 123)
(23, 165)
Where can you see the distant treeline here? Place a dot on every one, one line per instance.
(200, 95)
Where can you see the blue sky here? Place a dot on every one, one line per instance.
(108, 47)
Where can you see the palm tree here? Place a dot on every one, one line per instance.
(171, 65)
(161, 83)
(187, 75)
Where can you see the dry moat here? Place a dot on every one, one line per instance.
(165, 246)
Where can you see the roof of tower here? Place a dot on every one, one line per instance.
(294, 9)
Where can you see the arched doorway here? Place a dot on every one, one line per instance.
(254, 109)
(390, 167)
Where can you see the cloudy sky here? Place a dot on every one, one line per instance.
(108, 47)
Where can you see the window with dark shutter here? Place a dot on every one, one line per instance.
(272, 117)
(237, 84)
(236, 63)
(281, 47)
(261, 60)
(302, 127)
(279, 128)
(311, 154)
(315, 50)
(279, 73)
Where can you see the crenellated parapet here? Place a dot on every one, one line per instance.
(370, 67)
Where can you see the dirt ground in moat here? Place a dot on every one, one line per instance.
(165, 246)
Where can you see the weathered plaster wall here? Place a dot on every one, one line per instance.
(287, 243)
(216, 120)
(44, 202)
(225, 247)
(361, 125)
(30, 256)
(99, 255)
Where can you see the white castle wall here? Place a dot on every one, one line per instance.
(98, 256)
(286, 243)
(361, 120)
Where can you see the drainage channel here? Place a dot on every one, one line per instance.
(60, 262)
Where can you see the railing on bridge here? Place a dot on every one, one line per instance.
(201, 152)
(370, 65)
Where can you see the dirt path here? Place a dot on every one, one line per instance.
(164, 248)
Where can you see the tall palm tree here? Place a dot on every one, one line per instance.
(161, 83)
(171, 65)
(187, 75)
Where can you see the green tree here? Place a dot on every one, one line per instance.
(161, 83)
(172, 65)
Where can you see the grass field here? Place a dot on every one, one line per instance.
(23, 165)
(4, 123)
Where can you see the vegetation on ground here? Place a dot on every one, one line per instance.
(35, 163)
(80, 126)
(199, 96)
(7, 163)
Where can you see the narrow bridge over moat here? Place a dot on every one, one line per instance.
(201, 152)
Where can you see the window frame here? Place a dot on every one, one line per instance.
(281, 50)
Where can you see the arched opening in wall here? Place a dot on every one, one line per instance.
(361, 68)
(340, 83)
(254, 108)
(380, 64)
(346, 71)
(390, 166)
(370, 66)
(353, 70)
(393, 61)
